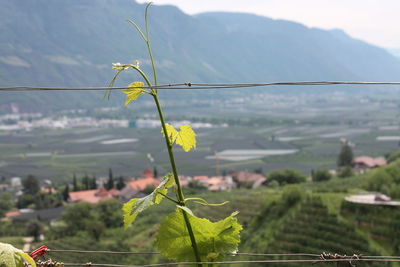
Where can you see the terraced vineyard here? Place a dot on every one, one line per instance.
(317, 230)
(379, 223)
(307, 228)
(140, 236)
(313, 223)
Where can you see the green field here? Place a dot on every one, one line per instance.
(312, 124)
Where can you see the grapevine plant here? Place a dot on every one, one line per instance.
(182, 236)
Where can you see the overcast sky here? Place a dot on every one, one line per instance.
(374, 21)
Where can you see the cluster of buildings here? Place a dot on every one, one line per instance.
(14, 187)
(63, 122)
(28, 121)
(138, 187)
(152, 123)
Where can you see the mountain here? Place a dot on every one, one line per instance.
(73, 43)
(395, 52)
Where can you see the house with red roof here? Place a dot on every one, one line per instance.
(248, 179)
(49, 190)
(135, 187)
(12, 213)
(93, 196)
(365, 163)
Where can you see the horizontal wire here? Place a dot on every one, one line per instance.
(192, 86)
(99, 251)
(275, 255)
(153, 252)
(236, 262)
(319, 258)
(230, 254)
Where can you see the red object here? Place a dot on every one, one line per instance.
(382, 197)
(38, 252)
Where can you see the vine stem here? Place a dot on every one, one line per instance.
(154, 93)
(180, 196)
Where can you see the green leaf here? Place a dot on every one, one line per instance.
(133, 93)
(12, 257)
(214, 240)
(186, 137)
(136, 205)
(171, 133)
(27, 258)
(185, 209)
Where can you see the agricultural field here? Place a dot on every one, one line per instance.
(276, 131)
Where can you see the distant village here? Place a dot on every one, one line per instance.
(103, 188)
(135, 187)
(76, 119)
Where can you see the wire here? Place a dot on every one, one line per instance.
(319, 258)
(195, 86)
(349, 260)
(153, 252)
(230, 254)
(99, 251)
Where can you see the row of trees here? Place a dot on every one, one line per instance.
(88, 183)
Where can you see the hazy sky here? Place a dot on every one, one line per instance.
(374, 21)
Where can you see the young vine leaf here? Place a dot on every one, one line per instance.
(133, 93)
(12, 257)
(136, 205)
(214, 240)
(186, 137)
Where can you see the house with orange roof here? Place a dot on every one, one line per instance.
(49, 190)
(148, 173)
(12, 213)
(135, 188)
(248, 179)
(221, 183)
(365, 163)
(200, 178)
(92, 196)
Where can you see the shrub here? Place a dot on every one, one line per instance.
(385, 180)
(345, 172)
(321, 175)
(292, 194)
(287, 176)
(273, 184)
(393, 156)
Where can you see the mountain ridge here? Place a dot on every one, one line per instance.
(73, 44)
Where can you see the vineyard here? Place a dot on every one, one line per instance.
(282, 220)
